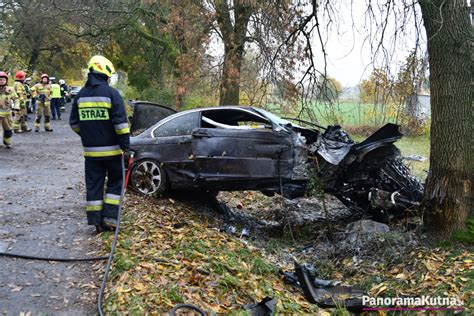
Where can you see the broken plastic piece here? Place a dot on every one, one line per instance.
(245, 232)
(265, 308)
(328, 297)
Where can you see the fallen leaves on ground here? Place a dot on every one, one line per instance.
(391, 270)
(167, 255)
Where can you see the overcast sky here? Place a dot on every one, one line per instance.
(349, 37)
(348, 49)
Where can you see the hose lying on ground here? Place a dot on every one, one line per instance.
(16, 255)
(114, 243)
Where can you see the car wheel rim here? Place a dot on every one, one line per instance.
(147, 177)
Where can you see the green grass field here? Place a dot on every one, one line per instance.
(346, 113)
(350, 113)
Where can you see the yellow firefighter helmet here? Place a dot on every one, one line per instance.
(100, 64)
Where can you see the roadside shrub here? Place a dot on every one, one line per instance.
(162, 96)
(130, 93)
(413, 127)
(466, 235)
(199, 100)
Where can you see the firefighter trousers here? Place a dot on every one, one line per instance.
(43, 108)
(6, 122)
(19, 122)
(98, 206)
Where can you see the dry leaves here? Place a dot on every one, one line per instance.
(167, 255)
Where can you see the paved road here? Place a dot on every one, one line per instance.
(41, 213)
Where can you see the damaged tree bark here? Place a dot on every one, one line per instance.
(448, 194)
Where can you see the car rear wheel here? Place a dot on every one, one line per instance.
(149, 177)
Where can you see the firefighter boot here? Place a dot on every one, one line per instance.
(7, 138)
(23, 123)
(47, 124)
(37, 123)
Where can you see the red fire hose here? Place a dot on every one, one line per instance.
(129, 169)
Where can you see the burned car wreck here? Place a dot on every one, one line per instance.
(229, 148)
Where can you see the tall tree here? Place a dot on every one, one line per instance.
(449, 187)
(262, 27)
(234, 37)
(449, 192)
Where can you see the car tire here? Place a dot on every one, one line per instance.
(149, 177)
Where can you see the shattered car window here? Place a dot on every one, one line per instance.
(178, 126)
(233, 119)
(274, 118)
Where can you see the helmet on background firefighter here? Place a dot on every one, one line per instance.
(61, 81)
(20, 75)
(3, 74)
(100, 64)
(44, 76)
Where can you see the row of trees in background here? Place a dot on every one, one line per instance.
(34, 39)
(166, 49)
(395, 96)
(233, 50)
(160, 45)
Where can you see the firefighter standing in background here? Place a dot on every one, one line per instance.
(31, 98)
(55, 100)
(19, 124)
(8, 97)
(64, 92)
(42, 91)
(98, 116)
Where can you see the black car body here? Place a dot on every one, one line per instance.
(220, 148)
(245, 148)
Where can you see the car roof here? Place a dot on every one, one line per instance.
(209, 108)
(218, 108)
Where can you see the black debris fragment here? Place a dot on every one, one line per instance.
(326, 294)
(265, 308)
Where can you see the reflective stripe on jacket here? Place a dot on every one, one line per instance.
(8, 97)
(20, 90)
(98, 116)
(55, 91)
(40, 88)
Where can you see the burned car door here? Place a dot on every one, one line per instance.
(240, 146)
(172, 147)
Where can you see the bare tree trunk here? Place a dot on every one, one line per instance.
(449, 187)
(230, 83)
(234, 37)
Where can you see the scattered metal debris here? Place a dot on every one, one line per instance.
(326, 294)
(264, 308)
(415, 158)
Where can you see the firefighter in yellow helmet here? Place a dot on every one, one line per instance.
(19, 123)
(98, 116)
(8, 102)
(42, 91)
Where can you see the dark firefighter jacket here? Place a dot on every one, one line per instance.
(98, 116)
